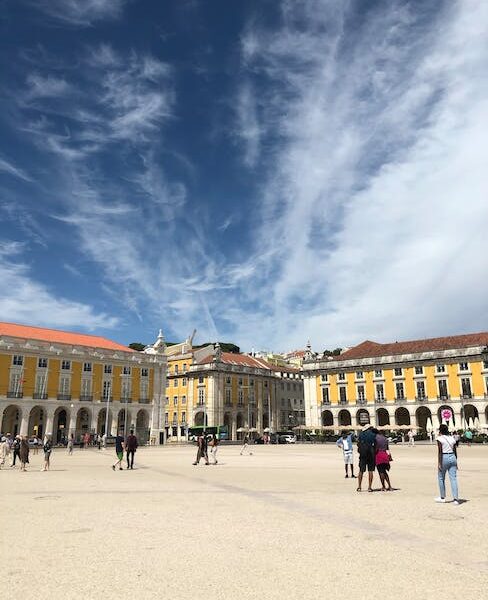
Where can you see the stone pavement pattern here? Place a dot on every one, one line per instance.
(281, 522)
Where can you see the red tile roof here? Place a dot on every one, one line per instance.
(59, 337)
(244, 360)
(369, 349)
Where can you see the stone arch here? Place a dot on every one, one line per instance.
(362, 417)
(102, 419)
(344, 418)
(142, 426)
(422, 415)
(122, 421)
(228, 423)
(83, 422)
(452, 421)
(37, 421)
(327, 418)
(60, 424)
(382, 417)
(402, 416)
(199, 419)
(469, 412)
(12, 417)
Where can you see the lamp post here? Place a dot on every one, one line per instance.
(109, 388)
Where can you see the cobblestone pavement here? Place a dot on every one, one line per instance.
(282, 522)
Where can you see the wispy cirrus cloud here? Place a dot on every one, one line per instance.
(81, 12)
(11, 169)
(46, 87)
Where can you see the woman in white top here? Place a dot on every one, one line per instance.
(447, 462)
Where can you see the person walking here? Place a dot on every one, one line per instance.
(71, 444)
(4, 451)
(446, 463)
(86, 440)
(411, 438)
(247, 441)
(15, 450)
(345, 442)
(47, 447)
(214, 446)
(382, 460)
(366, 450)
(23, 453)
(131, 445)
(202, 449)
(119, 451)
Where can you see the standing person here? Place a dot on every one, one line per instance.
(366, 449)
(15, 450)
(99, 441)
(23, 453)
(4, 451)
(411, 438)
(468, 436)
(35, 447)
(202, 449)
(71, 443)
(104, 441)
(345, 442)
(382, 460)
(131, 445)
(247, 439)
(119, 451)
(214, 443)
(446, 462)
(86, 440)
(47, 447)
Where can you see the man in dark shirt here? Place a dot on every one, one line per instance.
(131, 447)
(202, 449)
(366, 449)
(119, 451)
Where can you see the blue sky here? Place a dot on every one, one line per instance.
(265, 172)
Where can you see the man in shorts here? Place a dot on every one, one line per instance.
(119, 451)
(366, 449)
(345, 442)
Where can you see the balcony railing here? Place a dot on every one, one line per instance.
(144, 401)
(15, 394)
(444, 397)
(361, 401)
(325, 402)
(343, 402)
(40, 395)
(107, 399)
(126, 400)
(466, 396)
(64, 397)
(421, 398)
(86, 398)
(380, 400)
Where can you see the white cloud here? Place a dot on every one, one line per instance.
(46, 87)
(375, 205)
(249, 127)
(8, 167)
(81, 12)
(25, 300)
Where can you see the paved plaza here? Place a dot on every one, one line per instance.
(280, 523)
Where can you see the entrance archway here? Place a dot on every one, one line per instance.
(402, 416)
(327, 418)
(362, 417)
(102, 419)
(344, 418)
(142, 426)
(122, 422)
(469, 413)
(382, 417)
(228, 423)
(60, 421)
(82, 423)
(11, 420)
(442, 410)
(199, 417)
(422, 415)
(239, 424)
(37, 421)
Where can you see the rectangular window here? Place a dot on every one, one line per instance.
(420, 389)
(240, 381)
(378, 373)
(185, 366)
(341, 376)
(442, 383)
(251, 382)
(175, 400)
(324, 377)
(398, 372)
(166, 400)
(86, 387)
(42, 363)
(144, 390)
(144, 372)
(183, 417)
(166, 418)
(16, 384)
(342, 395)
(400, 392)
(107, 390)
(64, 386)
(380, 392)
(183, 381)
(107, 369)
(201, 396)
(463, 366)
(126, 370)
(440, 368)
(87, 367)
(240, 397)
(265, 384)
(175, 383)
(227, 380)
(176, 369)
(18, 360)
(419, 370)
(41, 385)
(200, 379)
(227, 396)
(175, 417)
(466, 387)
(65, 365)
(485, 364)
(126, 389)
(183, 399)
(361, 392)
(359, 375)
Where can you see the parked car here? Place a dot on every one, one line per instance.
(286, 437)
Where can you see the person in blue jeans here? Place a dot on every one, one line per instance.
(447, 463)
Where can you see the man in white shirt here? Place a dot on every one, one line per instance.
(345, 442)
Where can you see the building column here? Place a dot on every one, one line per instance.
(335, 416)
(72, 422)
(115, 419)
(49, 422)
(24, 422)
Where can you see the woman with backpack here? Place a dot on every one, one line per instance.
(446, 463)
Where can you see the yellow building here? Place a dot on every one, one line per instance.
(415, 383)
(61, 383)
(236, 390)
